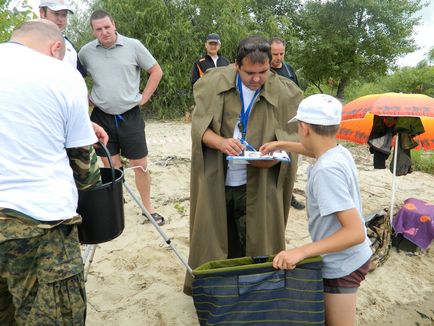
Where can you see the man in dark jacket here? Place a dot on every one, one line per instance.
(211, 59)
(277, 56)
(283, 69)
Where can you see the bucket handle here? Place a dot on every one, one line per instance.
(109, 157)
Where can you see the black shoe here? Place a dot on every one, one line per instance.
(157, 218)
(296, 204)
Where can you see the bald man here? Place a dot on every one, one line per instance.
(46, 138)
(41, 36)
(56, 12)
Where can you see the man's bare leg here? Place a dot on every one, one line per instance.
(143, 182)
(116, 159)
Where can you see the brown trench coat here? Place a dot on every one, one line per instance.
(268, 190)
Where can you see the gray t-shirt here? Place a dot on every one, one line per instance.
(116, 72)
(333, 186)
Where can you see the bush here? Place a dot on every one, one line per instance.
(423, 161)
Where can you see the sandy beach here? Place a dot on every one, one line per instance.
(136, 280)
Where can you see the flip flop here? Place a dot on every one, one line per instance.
(158, 218)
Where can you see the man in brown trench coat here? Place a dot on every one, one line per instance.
(240, 210)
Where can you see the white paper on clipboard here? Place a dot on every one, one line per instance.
(256, 156)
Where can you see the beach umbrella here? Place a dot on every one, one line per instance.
(358, 117)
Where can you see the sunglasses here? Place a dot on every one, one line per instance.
(263, 47)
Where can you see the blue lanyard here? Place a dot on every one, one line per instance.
(244, 114)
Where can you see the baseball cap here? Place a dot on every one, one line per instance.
(213, 37)
(56, 5)
(319, 109)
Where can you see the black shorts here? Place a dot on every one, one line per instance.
(126, 132)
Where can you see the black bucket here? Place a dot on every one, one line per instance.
(102, 207)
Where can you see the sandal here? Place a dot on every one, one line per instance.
(158, 218)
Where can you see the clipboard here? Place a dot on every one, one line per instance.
(256, 156)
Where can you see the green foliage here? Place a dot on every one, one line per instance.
(334, 45)
(358, 89)
(423, 161)
(418, 80)
(342, 40)
(12, 17)
(180, 208)
(430, 55)
(78, 30)
(230, 19)
(276, 17)
(174, 31)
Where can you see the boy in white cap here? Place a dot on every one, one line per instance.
(334, 208)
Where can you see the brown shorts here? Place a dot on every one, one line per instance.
(349, 283)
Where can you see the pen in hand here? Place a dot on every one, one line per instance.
(243, 141)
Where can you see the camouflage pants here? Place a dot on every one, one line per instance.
(41, 275)
(236, 219)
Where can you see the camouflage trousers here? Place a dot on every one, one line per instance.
(41, 274)
(236, 215)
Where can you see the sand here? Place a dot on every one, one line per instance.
(136, 280)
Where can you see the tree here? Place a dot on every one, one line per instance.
(414, 80)
(230, 19)
(275, 17)
(331, 43)
(12, 17)
(430, 55)
(342, 40)
(418, 80)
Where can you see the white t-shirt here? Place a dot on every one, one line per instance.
(70, 54)
(214, 58)
(44, 110)
(333, 186)
(236, 174)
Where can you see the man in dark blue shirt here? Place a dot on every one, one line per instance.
(283, 69)
(277, 63)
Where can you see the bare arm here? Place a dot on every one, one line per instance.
(351, 233)
(155, 74)
(100, 133)
(289, 146)
(228, 146)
